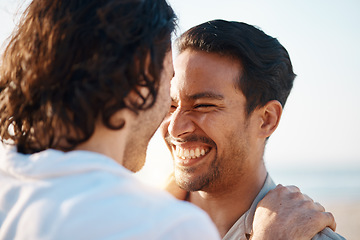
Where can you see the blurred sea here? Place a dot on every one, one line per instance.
(331, 185)
(336, 187)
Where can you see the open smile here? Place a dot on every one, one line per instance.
(189, 155)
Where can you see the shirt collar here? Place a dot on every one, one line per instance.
(249, 215)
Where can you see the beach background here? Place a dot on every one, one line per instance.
(316, 146)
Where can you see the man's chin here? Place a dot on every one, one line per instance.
(188, 182)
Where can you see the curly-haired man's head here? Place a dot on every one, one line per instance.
(70, 63)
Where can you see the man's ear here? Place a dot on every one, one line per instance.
(270, 114)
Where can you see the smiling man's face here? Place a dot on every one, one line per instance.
(207, 129)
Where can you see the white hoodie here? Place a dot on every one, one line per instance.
(85, 195)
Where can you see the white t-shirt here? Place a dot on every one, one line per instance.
(85, 195)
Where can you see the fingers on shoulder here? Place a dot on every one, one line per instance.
(286, 190)
(331, 223)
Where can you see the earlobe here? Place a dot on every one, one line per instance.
(117, 119)
(271, 114)
(122, 117)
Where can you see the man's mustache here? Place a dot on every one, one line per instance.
(191, 138)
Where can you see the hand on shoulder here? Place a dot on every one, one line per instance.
(286, 213)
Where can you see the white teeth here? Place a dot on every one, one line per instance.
(197, 152)
(186, 153)
(190, 153)
(181, 151)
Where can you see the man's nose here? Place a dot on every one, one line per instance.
(180, 123)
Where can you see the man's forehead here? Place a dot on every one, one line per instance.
(203, 75)
(195, 86)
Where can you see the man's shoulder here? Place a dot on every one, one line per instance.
(101, 206)
(327, 234)
(136, 210)
(77, 197)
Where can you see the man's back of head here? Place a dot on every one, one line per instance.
(70, 64)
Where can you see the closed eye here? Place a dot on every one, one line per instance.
(172, 108)
(204, 106)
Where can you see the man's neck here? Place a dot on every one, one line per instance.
(108, 142)
(226, 205)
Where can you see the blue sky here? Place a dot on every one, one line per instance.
(321, 121)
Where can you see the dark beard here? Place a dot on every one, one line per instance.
(201, 183)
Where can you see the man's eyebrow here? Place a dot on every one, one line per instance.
(209, 95)
(202, 95)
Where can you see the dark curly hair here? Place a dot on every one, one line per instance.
(267, 72)
(72, 62)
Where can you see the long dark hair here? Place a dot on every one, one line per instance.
(72, 62)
